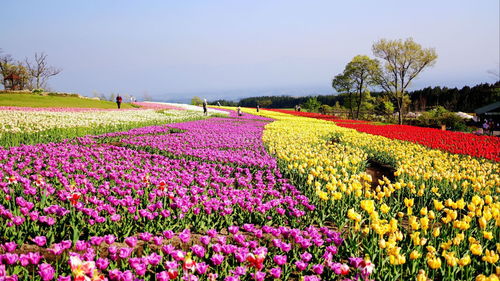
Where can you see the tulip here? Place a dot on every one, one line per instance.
(46, 271)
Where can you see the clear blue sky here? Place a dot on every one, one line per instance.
(177, 49)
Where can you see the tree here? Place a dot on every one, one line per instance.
(312, 104)
(9, 67)
(357, 76)
(196, 101)
(403, 62)
(344, 85)
(265, 103)
(360, 70)
(40, 71)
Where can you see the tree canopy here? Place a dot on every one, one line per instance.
(403, 61)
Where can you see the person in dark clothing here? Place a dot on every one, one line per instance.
(205, 111)
(119, 101)
(258, 107)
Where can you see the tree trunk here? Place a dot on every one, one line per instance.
(359, 103)
(350, 106)
(400, 109)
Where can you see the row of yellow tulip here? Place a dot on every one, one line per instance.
(439, 218)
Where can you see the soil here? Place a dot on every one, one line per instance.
(378, 171)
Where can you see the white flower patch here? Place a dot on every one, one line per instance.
(20, 121)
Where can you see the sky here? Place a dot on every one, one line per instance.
(174, 50)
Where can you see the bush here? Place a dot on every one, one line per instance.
(312, 105)
(440, 116)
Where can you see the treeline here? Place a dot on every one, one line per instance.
(466, 99)
(288, 101)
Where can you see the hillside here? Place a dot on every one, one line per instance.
(34, 100)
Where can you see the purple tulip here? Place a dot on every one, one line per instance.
(301, 265)
(280, 260)
(102, 263)
(40, 240)
(201, 268)
(217, 259)
(198, 250)
(131, 241)
(258, 276)
(46, 271)
(162, 276)
(109, 239)
(10, 246)
(275, 272)
(318, 269)
(185, 235)
(124, 252)
(154, 259)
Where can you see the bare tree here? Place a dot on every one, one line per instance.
(40, 70)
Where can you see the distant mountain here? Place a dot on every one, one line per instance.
(236, 95)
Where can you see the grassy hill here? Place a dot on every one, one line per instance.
(34, 100)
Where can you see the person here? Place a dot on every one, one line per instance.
(239, 111)
(298, 107)
(491, 126)
(485, 126)
(295, 108)
(205, 112)
(119, 101)
(218, 103)
(258, 107)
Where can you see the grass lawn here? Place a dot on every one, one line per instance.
(31, 100)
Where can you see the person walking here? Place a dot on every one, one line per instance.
(205, 111)
(119, 101)
(239, 111)
(258, 107)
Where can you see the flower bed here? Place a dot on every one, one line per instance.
(29, 127)
(215, 139)
(104, 208)
(438, 218)
(455, 142)
(235, 253)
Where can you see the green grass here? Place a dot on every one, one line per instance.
(33, 100)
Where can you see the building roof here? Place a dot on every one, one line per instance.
(12, 77)
(488, 108)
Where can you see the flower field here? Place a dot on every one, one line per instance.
(455, 142)
(438, 218)
(34, 125)
(270, 196)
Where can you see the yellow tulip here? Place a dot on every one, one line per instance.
(384, 208)
(415, 255)
(434, 262)
(488, 235)
(476, 249)
(464, 261)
